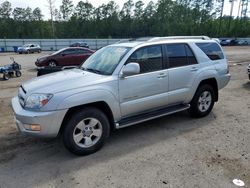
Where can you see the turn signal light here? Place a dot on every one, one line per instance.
(35, 127)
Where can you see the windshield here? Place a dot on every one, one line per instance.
(59, 51)
(105, 60)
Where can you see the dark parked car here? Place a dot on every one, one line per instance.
(29, 48)
(80, 44)
(71, 56)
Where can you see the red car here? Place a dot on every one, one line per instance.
(71, 56)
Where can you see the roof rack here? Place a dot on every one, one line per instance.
(179, 37)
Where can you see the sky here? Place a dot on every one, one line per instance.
(42, 4)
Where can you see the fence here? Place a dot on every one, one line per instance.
(8, 45)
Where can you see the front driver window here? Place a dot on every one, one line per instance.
(149, 58)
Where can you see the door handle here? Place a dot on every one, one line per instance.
(162, 75)
(193, 69)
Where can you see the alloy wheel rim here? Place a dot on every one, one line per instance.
(87, 132)
(52, 64)
(205, 101)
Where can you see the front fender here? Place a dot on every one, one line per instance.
(92, 96)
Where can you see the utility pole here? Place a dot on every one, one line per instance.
(239, 9)
(231, 14)
(221, 14)
(51, 6)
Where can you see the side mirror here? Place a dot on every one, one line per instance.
(130, 69)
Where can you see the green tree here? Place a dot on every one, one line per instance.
(84, 10)
(66, 9)
(5, 10)
(37, 14)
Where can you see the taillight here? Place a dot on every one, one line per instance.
(227, 68)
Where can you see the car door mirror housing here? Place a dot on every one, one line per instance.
(130, 69)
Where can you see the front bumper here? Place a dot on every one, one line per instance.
(50, 122)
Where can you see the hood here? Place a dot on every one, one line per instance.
(63, 81)
(43, 57)
(22, 48)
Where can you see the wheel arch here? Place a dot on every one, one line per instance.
(101, 105)
(212, 82)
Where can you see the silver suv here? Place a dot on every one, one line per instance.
(121, 85)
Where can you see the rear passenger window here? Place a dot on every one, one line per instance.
(180, 55)
(212, 50)
(149, 58)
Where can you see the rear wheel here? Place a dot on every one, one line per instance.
(86, 131)
(203, 101)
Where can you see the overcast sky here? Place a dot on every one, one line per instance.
(42, 4)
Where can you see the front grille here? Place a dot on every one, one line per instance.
(21, 95)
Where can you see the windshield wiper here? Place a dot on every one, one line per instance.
(92, 70)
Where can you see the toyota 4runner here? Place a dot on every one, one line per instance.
(121, 85)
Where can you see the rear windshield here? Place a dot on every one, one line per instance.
(212, 50)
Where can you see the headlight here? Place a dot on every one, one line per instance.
(37, 101)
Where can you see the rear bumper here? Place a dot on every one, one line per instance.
(50, 122)
(223, 80)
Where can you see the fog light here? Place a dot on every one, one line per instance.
(35, 127)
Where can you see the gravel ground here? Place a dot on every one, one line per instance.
(174, 151)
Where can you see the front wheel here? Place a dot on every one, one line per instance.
(52, 64)
(202, 102)
(86, 131)
(18, 74)
(6, 76)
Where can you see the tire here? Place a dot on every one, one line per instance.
(249, 76)
(39, 51)
(6, 76)
(52, 64)
(202, 102)
(80, 138)
(18, 73)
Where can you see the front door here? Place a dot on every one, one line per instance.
(147, 90)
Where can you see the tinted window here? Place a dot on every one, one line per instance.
(212, 50)
(180, 55)
(81, 51)
(190, 55)
(69, 52)
(149, 58)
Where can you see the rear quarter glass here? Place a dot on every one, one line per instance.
(212, 50)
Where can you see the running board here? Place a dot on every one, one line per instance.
(150, 115)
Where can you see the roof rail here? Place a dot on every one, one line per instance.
(140, 39)
(178, 37)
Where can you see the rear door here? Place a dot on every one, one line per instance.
(183, 68)
(147, 90)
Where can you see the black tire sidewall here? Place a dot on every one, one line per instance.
(6, 76)
(194, 109)
(18, 74)
(74, 120)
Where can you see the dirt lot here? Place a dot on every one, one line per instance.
(174, 151)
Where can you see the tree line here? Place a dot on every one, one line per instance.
(133, 19)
